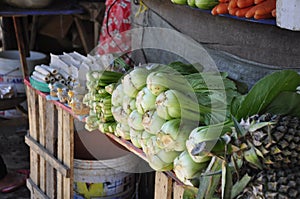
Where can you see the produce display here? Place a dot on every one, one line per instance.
(100, 85)
(257, 9)
(227, 144)
(203, 4)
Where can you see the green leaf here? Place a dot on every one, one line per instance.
(239, 129)
(266, 90)
(251, 157)
(240, 185)
(259, 125)
(236, 103)
(286, 103)
(208, 184)
(226, 181)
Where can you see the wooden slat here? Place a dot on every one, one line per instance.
(178, 191)
(163, 186)
(32, 101)
(68, 137)
(42, 139)
(51, 140)
(35, 191)
(39, 149)
(60, 142)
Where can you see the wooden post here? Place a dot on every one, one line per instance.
(163, 186)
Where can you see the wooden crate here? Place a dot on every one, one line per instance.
(167, 188)
(51, 142)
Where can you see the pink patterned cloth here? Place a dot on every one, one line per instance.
(113, 36)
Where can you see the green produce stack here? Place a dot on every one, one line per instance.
(100, 85)
(156, 108)
(227, 144)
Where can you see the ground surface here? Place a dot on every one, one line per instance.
(14, 151)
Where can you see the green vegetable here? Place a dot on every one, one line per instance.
(119, 114)
(186, 169)
(128, 104)
(160, 81)
(108, 127)
(135, 120)
(206, 4)
(159, 159)
(152, 122)
(117, 96)
(173, 135)
(135, 137)
(134, 81)
(205, 141)
(145, 101)
(167, 105)
(180, 2)
(191, 3)
(122, 130)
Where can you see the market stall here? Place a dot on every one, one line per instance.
(210, 115)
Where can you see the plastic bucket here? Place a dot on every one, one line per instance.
(104, 178)
(11, 70)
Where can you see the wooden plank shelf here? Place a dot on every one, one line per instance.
(139, 152)
(51, 142)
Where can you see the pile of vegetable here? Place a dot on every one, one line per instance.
(202, 4)
(256, 144)
(257, 9)
(100, 85)
(198, 125)
(156, 107)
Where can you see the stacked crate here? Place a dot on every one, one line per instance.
(51, 142)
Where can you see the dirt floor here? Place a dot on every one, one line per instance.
(14, 151)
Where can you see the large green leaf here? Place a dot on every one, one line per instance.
(265, 90)
(286, 103)
(236, 103)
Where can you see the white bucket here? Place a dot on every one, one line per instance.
(103, 178)
(287, 14)
(11, 70)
